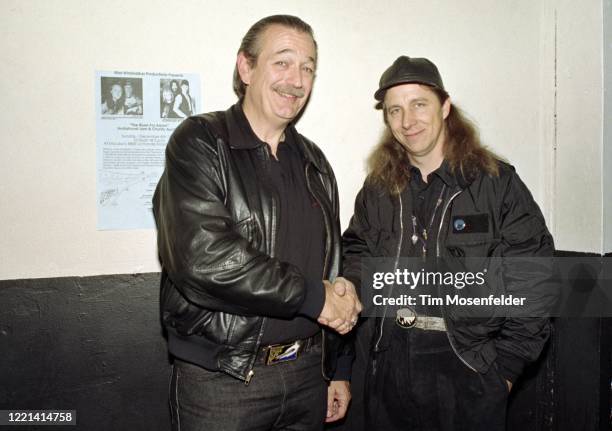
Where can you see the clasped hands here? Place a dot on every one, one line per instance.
(342, 306)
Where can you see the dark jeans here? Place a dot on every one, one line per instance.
(421, 385)
(286, 396)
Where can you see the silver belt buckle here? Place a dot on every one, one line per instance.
(406, 318)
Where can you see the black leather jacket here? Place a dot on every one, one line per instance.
(217, 226)
(515, 228)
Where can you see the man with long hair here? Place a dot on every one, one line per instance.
(249, 242)
(183, 102)
(435, 194)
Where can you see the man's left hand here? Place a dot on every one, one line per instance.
(338, 398)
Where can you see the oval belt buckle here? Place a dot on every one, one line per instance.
(406, 317)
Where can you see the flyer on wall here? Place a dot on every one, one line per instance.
(136, 112)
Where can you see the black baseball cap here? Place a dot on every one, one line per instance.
(406, 70)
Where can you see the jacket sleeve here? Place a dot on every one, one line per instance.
(356, 240)
(346, 349)
(204, 251)
(527, 264)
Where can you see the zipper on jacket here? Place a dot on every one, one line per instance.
(325, 262)
(397, 256)
(274, 216)
(249, 376)
(325, 219)
(251, 373)
(450, 338)
(442, 221)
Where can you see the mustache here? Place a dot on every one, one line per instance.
(292, 91)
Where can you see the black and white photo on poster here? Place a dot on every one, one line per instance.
(121, 96)
(175, 98)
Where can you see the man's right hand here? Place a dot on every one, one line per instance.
(341, 308)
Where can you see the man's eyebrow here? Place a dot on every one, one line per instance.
(415, 100)
(292, 51)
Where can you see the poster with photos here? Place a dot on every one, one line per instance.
(136, 112)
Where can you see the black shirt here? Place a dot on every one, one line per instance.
(428, 200)
(300, 234)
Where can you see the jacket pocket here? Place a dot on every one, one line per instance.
(471, 245)
(186, 318)
(189, 319)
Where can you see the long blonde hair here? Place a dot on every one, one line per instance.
(388, 163)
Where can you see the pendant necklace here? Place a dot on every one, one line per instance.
(415, 237)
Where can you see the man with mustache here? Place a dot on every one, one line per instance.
(434, 193)
(249, 242)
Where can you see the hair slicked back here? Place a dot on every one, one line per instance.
(251, 46)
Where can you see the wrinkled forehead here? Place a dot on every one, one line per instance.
(277, 38)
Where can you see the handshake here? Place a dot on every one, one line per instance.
(342, 307)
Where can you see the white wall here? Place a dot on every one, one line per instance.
(578, 171)
(495, 58)
(607, 124)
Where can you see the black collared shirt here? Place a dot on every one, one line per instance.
(425, 195)
(428, 200)
(300, 235)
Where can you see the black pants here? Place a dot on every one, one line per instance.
(421, 385)
(286, 396)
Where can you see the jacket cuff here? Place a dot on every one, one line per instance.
(356, 280)
(510, 366)
(314, 299)
(344, 368)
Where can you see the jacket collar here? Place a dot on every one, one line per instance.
(242, 137)
(240, 133)
(453, 179)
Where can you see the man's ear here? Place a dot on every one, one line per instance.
(244, 68)
(446, 106)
